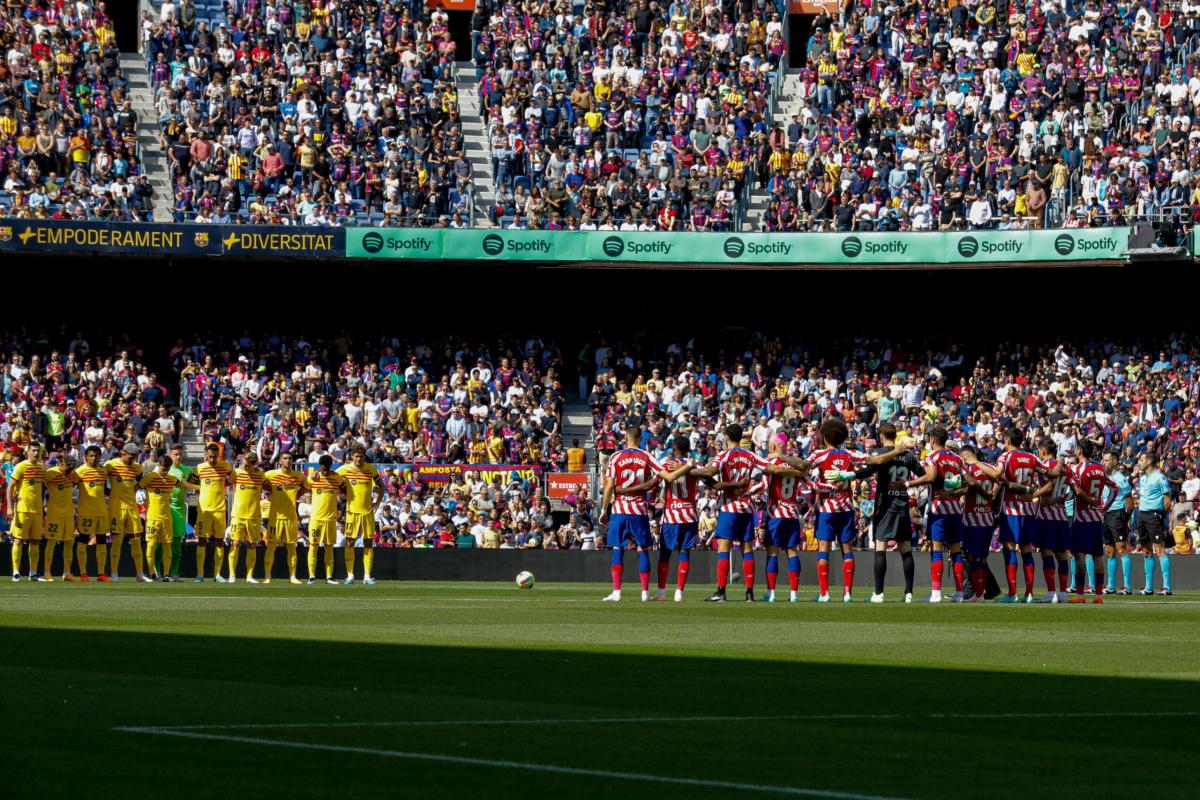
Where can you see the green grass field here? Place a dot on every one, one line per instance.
(485, 691)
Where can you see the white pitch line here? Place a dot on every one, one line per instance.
(639, 720)
(794, 791)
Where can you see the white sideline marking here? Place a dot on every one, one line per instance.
(503, 764)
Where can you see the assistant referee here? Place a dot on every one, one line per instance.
(1154, 501)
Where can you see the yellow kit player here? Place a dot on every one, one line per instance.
(326, 486)
(246, 529)
(285, 485)
(214, 477)
(60, 517)
(25, 499)
(364, 491)
(160, 486)
(91, 525)
(123, 517)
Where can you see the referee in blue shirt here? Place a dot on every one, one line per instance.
(1154, 501)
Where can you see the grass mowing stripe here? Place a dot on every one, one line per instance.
(794, 791)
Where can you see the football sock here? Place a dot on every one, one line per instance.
(794, 572)
(848, 571)
(644, 569)
(176, 555)
(268, 560)
(618, 567)
(823, 572)
(1097, 585)
(152, 555)
(722, 570)
(772, 572)
(167, 550)
(1027, 565)
(16, 557)
(1111, 567)
(101, 558)
(328, 562)
(1010, 570)
(1149, 561)
(909, 565)
(1048, 572)
(880, 570)
(748, 569)
(368, 561)
(350, 557)
(935, 568)
(232, 561)
(684, 566)
(81, 557)
(291, 559)
(960, 570)
(978, 582)
(1164, 566)
(1064, 575)
(35, 556)
(219, 558)
(135, 550)
(201, 556)
(1089, 566)
(114, 553)
(1127, 569)
(251, 560)
(312, 561)
(664, 567)
(68, 559)
(47, 558)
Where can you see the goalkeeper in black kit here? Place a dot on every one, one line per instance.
(891, 520)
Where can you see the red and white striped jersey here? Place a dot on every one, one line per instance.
(1053, 506)
(832, 498)
(734, 466)
(1092, 478)
(783, 494)
(977, 509)
(629, 467)
(945, 464)
(679, 496)
(1023, 469)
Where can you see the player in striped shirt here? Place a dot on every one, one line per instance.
(680, 521)
(1091, 480)
(1053, 526)
(629, 474)
(978, 520)
(784, 488)
(943, 475)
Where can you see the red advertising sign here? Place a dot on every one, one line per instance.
(561, 484)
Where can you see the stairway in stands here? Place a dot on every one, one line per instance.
(789, 104)
(475, 142)
(154, 160)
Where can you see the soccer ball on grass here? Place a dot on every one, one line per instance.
(524, 580)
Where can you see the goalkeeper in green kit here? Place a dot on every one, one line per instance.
(178, 511)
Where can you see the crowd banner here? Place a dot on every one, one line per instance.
(145, 238)
(565, 484)
(444, 473)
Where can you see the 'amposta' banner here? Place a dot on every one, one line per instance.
(779, 249)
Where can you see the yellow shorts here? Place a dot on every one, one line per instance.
(210, 525)
(360, 526)
(124, 521)
(60, 529)
(92, 526)
(27, 526)
(246, 530)
(281, 530)
(323, 532)
(159, 530)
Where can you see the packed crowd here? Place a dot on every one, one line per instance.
(1124, 395)
(312, 112)
(68, 131)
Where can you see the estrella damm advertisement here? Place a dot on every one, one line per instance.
(144, 238)
(283, 240)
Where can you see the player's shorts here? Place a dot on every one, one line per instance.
(977, 539)
(322, 532)
(360, 526)
(892, 526)
(1116, 527)
(282, 530)
(1087, 538)
(626, 527)
(783, 532)
(835, 526)
(60, 529)
(178, 523)
(735, 527)
(945, 528)
(159, 530)
(91, 526)
(679, 535)
(1052, 534)
(27, 527)
(1016, 529)
(125, 522)
(1152, 530)
(210, 524)
(246, 530)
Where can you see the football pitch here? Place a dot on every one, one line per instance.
(485, 691)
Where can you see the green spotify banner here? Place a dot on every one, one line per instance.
(778, 249)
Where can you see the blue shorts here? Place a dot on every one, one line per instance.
(735, 527)
(1053, 534)
(1087, 538)
(783, 532)
(1016, 529)
(679, 535)
(945, 528)
(624, 527)
(835, 526)
(978, 540)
